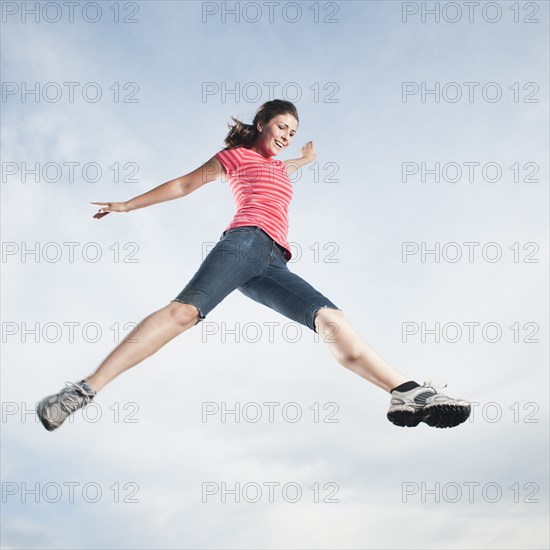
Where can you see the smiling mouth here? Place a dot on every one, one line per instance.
(279, 144)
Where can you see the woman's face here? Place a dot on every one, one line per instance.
(276, 135)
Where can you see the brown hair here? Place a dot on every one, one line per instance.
(246, 134)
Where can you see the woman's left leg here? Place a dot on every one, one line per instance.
(289, 294)
(352, 352)
(292, 296)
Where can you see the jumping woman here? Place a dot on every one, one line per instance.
(252, 255)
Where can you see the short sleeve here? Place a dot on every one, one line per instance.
(282, 166)
(231, 158)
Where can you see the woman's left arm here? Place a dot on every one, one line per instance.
(308, 155)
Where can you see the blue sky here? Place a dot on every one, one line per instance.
(349, 219)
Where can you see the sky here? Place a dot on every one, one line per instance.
(424, 218)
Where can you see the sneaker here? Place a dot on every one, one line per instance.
(427, 404)
(54, 409)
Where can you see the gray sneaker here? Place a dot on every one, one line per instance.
(54, 409)
(427, 404)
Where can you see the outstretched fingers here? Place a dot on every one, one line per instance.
(103, 211)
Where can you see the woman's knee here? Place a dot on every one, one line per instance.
(184, 314)
(328, 319)
(335, 330)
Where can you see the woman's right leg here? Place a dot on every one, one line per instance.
(150, 335)
(240, 255)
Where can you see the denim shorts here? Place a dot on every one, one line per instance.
(248, 259)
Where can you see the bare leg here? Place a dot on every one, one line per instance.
(352, 352)
(151, 334)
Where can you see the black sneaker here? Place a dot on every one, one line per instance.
(54, 409)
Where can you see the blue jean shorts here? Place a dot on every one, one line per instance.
(248, 259)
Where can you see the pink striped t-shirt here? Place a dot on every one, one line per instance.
(262, 192)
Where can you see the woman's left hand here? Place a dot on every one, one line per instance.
(308, 152)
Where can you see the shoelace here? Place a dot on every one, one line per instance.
(434, 387)
(72, 396)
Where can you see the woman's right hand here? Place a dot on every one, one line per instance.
(107, 207)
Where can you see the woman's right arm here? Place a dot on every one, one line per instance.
(211, 170)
